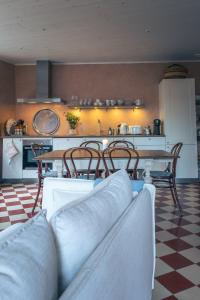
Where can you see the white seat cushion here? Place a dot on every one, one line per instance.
(28, 262)
(80, 226)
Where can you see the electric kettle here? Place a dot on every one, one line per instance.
(123, 129)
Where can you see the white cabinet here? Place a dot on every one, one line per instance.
(124, 138)
(177, 112)
(157, 142)
(12, 169)
(66, 143)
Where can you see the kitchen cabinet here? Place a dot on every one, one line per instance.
(178, 115)
(66, 143)
(150, 141)
(12, 169)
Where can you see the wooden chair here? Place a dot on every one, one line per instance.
(121, 143)
(76, 155)
(92, 144)
(169, 175)
(112, 155)
(127, 144)
(43, 171)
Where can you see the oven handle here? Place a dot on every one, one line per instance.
(43, 147)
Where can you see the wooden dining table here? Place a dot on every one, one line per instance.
(148, 155)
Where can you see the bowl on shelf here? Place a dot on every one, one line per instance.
(113, 102)
(120, 102)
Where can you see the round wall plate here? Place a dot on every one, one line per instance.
(46, 122)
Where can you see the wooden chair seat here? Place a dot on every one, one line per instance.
(161, 174)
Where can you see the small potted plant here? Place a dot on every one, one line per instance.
(73, 122)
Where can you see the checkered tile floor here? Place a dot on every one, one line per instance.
(16, 202)
(178, 245)
(178, 239)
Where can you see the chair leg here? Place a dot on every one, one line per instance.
(176, 195)
(37, 196)
(172, 192)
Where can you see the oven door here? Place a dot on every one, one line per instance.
(28, 157)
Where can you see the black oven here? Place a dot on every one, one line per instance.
(28, 156)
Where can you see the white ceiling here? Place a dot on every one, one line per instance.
(84, 31)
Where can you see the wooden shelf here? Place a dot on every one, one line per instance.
(105, 107)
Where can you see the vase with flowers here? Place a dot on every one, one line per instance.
(73, 122)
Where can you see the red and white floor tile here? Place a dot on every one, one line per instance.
(178, 239)
(178, 245)
(16, 202)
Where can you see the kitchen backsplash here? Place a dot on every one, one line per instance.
(88, 123)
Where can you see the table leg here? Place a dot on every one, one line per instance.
(148, 166)
(58, 167)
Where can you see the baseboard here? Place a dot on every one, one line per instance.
(187, 180)
(17, 181)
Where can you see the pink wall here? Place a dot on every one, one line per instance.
(7, 92)
(126, 81)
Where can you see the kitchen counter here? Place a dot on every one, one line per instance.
(15, 170)
(81, 136)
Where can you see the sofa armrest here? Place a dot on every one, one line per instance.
(152, 191)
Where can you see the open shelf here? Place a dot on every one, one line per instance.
(105, 107)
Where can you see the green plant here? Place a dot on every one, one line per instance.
(72, 119)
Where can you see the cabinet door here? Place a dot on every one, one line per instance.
(12, 169)
(177, 110)
(66, 143)
(123, 138)
(150, 141)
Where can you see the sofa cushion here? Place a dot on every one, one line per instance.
(28, 263)
(80, 226)
(122, 265)
(137, 185)
(59, 191)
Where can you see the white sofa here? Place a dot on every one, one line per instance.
(104, 240)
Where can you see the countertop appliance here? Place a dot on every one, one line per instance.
(156, 126)
(123, 129)
(28, 162)
(135, 129)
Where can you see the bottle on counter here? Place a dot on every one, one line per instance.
(118, 129)
(149, 130)
(110, 131)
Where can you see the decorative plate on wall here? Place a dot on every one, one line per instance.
(46, 122)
